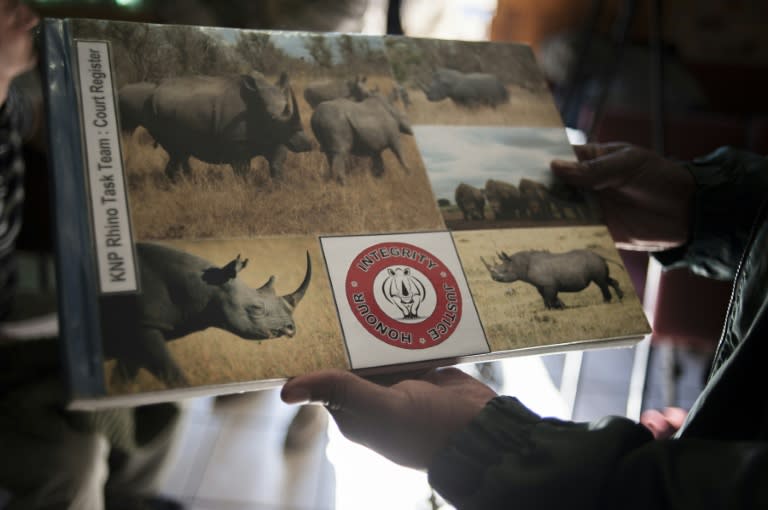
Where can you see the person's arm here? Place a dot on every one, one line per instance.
(731, 185)
(508, 457)
(487, 452)
(697, 214)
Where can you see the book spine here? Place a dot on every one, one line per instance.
(76, 273)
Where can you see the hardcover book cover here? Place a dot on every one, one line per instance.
(235, 207)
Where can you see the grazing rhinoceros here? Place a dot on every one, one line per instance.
(551, 273)
(130, 101)
(505, 200)
(466, 89)
(471, 201)
(181, 294)
(320, 91)
(225, 119)
(367, 128)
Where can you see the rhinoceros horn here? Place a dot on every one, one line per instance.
(294, 297)
(292, 113)
(486, 264)
(291, 108)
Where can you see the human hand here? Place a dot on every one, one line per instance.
(17, 53)
(408, 422)
(663, 424)
(646, 199)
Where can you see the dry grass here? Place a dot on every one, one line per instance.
(215, 203)
(524, 108)
(513, 314)
(214, 356)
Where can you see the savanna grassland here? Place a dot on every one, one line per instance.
(214, 356)
(524, 108)
(215, 203)
(514, 315)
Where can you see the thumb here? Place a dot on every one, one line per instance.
(336, 389)
(611, 170)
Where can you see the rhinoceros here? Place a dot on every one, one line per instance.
(181, 294)
(130, 101)
(320, 91)
(367, 128)
(404, 290)
(505, 200)
(537, 199)
(225, 119)
(471, 201)
(551, 273)
(466, 89)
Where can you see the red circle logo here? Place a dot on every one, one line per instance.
(403, 295)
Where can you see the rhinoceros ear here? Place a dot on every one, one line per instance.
(249, 83)
(239, 264)
(221, 275)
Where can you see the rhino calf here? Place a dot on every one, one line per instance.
(182, 294)
(344, 127)
(551, 273)
(321, 91)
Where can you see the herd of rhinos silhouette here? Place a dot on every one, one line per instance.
(232, 119)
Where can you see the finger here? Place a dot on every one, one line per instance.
(675, 416)
(609, 170)
(338, 390)
(595, 150)
(445, 376)
(396, 377)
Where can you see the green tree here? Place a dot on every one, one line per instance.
(318, 48)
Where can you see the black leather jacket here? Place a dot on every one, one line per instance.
(508, 457)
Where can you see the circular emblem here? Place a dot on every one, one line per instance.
(403, 295)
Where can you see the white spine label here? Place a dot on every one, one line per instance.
(109, 204)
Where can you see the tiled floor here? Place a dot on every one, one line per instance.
(230, 456)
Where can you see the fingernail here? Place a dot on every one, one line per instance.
(295, 395)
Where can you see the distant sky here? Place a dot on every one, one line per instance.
(293, 43)
(474, 154)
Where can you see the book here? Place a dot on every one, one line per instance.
(236, 207)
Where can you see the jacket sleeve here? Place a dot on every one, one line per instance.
(16, 117)
(508, 457)
(731, 186)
